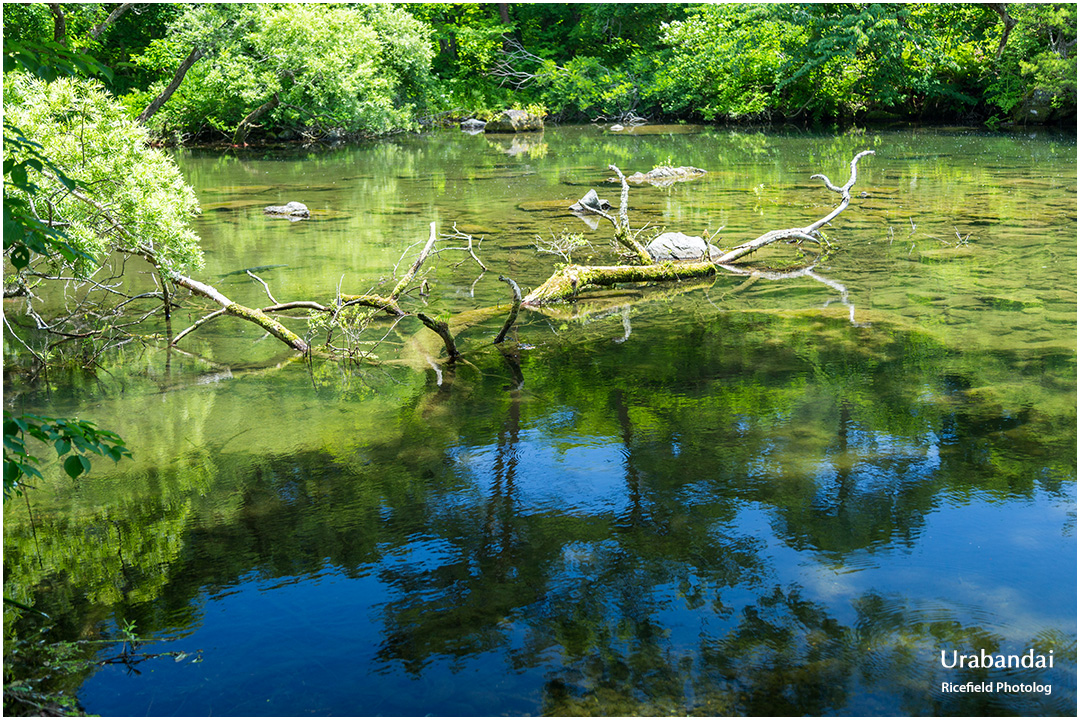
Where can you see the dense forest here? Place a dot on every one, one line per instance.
(278, 72)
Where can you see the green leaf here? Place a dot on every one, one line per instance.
(76, 465)
(18, 176)
(63, 447)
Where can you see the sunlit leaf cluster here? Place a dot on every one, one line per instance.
(104, 186)
(356, 68)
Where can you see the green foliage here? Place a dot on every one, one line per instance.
(54, 664)
(363, 69)
(72, 440)
(727, 61)
(827, 62)
(374, 68)
(1049, 68)
(24, 233)
(124, 195)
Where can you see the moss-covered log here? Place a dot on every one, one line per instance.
(570, 280)
(235, 309)
(268, 324)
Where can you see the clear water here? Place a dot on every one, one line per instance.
(777, 497)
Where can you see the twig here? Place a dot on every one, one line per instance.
(198, 323)
(266, 287)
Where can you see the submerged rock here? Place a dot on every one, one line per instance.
(677, 246)
(665, 175)
(515, 121)
(291, 210)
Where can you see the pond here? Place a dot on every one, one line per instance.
(727, 496)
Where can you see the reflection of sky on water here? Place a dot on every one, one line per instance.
(302, 646)
(584, 477)
(314, 644)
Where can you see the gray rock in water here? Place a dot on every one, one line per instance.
(472, 125)
(677, 246)
(292, 210)
(590, 202)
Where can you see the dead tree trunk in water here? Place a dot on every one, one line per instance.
(567, 282)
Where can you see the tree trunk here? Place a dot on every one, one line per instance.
(567, 282)
(59, 23)
(504, 16)
(178, 77)
(1002, 9)
(242, 130)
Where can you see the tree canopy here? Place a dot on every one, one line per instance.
(360, 68)
(280, 70)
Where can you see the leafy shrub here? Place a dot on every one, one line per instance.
(120, 192)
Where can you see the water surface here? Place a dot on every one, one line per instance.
(767, 497)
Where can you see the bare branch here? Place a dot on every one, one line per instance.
(810, 232)
(622, 225)
(265, 286)
(458, 235)
(441, 329)
(407, 278)
(511, 57)
(198, 323)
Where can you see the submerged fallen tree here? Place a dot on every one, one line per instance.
(572, 279)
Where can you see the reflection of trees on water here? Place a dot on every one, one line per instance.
(662, 603)
(595, 617)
